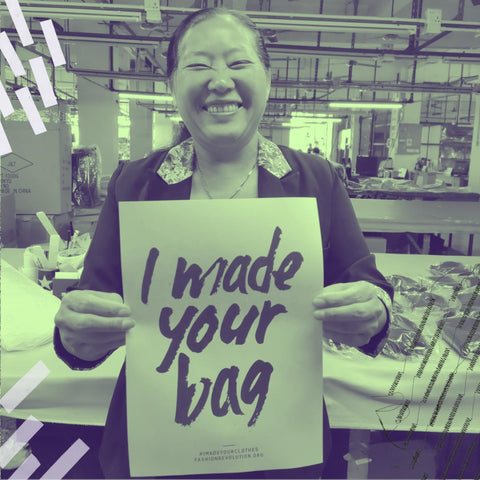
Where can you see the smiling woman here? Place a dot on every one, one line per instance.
(219, 73)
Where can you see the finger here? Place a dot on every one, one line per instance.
(350, 314)
(98, 303)
(93, 324)
(351, 328)
(344, 294)
(98, 339)
(89, 352)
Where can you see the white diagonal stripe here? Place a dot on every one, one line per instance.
(10, 55)
(43, 82)
(62, 466)
(19, 439)
(19, 22)
(24, 386)
(5, 147)
(26, 100)
(6, 106)
(26, 469)
(52, 42)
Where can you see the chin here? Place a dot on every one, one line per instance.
(224, 140)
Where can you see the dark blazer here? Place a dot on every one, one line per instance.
(346, 258)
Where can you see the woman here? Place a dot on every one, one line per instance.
(220, 76)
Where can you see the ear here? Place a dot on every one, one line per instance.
(268, 73)
(171, 87)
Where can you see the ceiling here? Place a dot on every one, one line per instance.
(313, 60)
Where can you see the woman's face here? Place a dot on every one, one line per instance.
(221, 86)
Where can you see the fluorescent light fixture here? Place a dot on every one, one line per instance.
(155, 97)
(300, 122)
(81, 11)
(367, 105)
(311, 115)
(475, 61)
(93, 38)
(339, 28)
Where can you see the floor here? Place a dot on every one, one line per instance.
(384, 455)
(423, 457)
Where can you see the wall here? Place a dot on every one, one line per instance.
(410, 114)
(281, 136)
(164, 131)
(97, 106)
(474, 172)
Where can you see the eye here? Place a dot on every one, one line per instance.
(238, 64)
(197, 66)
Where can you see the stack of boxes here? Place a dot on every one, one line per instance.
(36, 177)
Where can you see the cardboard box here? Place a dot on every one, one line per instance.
(8, 230)
(39, 170)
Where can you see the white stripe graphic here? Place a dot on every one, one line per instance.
(19, 439)
(52, 42)
(19, 22)
(6, 106)
(5, 147)
(10, 55)
(26, 100)
(26, 469)
(43, 82)
(24, 386)
(61, 467)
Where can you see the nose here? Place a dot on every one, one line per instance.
(221, 81)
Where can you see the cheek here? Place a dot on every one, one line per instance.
(187, 91)
(253, 93)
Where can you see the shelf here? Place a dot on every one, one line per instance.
(444, 141)
(449, 159)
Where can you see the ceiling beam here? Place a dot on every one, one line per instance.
(310, 50)
(327, 85)
(105, 38)
(137, 13)
(380, 86)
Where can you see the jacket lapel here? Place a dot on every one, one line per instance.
(269, 185)
(155, 188)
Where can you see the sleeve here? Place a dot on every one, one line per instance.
(102, 267)
(347, 258)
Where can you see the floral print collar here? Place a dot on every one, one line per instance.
(179, 161)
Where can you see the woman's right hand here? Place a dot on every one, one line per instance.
(92, 323)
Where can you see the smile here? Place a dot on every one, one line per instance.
(223, 108)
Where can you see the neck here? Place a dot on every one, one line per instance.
(228, 156)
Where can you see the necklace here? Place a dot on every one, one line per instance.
(204, 183)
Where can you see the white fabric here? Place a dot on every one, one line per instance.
(27, 311)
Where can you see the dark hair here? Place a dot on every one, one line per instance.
(201, 15)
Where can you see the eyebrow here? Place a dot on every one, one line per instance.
(208, 54)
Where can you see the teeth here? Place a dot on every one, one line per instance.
(229, 107)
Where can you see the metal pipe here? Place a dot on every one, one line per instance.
(107, 39)
(317, 101)
(319, 37)
(111, 82)
(413, 43)
(352, 45)
(328, 85)
(361, 52)
(115, 75)
(298, 74)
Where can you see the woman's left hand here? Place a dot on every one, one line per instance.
(351, 312)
